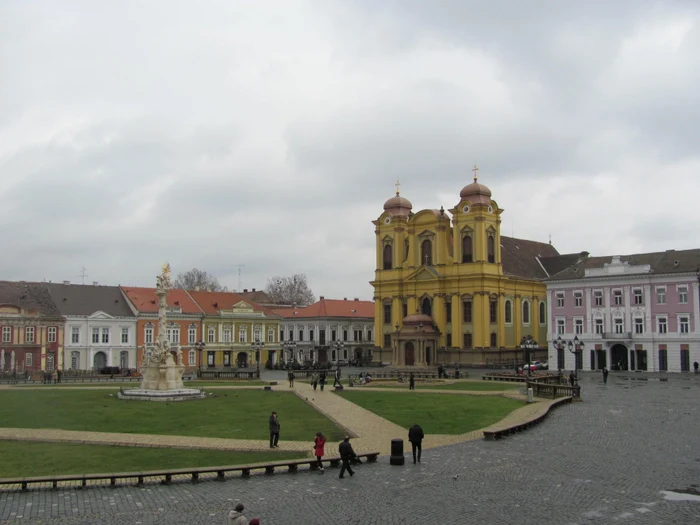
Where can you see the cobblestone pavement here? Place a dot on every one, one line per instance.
(606, 460)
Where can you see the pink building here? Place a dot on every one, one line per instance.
(632, 312)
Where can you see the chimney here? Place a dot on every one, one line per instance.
(253, 289)
(345, 298)
(196, 288)
(94, 283)
(321, 298)
(245, 290)
(356, 299)
(66, 282)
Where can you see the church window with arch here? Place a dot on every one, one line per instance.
(467, 249)
(387, 257)
(426, 252)
(526, 312)
(509, 312)
(543, 313)
(491, 248)
(426, 307)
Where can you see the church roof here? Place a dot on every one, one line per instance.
(521, 258)
(84, 299)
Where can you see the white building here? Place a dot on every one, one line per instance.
(636, 312)
(100, 326)
(328, 330)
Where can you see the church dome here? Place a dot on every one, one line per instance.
(415, 319)
(476, 193)
(398, 206)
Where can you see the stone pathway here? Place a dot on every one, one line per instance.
(369, 432)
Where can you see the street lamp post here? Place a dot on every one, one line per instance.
(527, 345)
(397, 344)
(575, 347)
(257, 346)
(290, 346)
(200, 345)
(338, 345)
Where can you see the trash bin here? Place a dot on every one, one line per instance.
(397, 457)
(530, 396)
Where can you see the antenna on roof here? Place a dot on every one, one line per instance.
(550, 238)
(239, 266)
(83, 273)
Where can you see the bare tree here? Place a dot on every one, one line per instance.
(198, 279)
(293, 289)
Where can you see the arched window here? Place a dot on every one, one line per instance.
(543, 313)
(491, 244)
(426, 253)
(526, 312)
(467, 254)
(406, 245)
(387, 257)
(426, 307)
(509, 312)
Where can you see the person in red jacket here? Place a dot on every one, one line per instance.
(319, 443)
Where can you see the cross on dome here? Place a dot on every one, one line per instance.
(475, 169)
(397, 186)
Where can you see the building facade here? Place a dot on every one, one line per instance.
(100, 328)
(184, 322)
(328, 330)
(237, 332)
(31, 329)
(449, 288)
(637, 312)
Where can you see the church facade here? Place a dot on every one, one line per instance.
(449, 288)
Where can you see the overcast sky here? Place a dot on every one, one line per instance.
(269, 134)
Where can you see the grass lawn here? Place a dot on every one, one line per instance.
(242, 414)
(28, 458)
(476, 386)
(436, 413)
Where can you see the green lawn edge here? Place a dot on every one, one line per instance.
(436, 413)
(49, 459)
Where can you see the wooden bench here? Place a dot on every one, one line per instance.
(498, 431)
(167, 475)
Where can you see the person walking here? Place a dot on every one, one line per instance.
(319, 451)
(290, 375)
(274, 430)
(605, 375)
(236, 517)
(411, 382)
(695, 366)
(336, 378)
(314, 380)
(322, 380)
(572, 379)
(415, 436)
(346, 454)
(59, 374)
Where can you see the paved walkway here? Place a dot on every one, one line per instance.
(369, 431)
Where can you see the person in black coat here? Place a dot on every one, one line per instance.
(274, 430)
(605, 375)
(346, 454)
(415, 436)
(411, 382)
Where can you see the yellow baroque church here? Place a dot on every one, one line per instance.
(449, 288)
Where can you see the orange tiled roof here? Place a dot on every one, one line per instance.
(212, 302)
(146, 301)
(330, 308)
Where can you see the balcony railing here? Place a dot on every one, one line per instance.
(624, 336)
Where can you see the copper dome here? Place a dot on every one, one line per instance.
(418, 319)
(476, 193)
(398, 206)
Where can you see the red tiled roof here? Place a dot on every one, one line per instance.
(213, 302)
(330, 308)
(146, 301)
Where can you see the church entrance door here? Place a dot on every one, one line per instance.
(410, 357)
